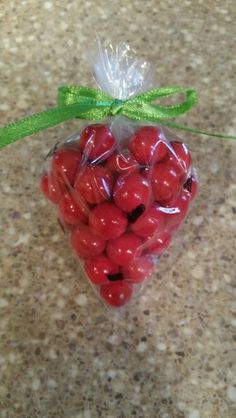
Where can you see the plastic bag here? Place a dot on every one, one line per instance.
(122, 188)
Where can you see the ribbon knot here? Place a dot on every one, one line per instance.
(93, 104)
(116, 107)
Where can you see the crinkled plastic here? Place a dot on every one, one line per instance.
(122, 188)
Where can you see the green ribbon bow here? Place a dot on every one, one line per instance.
(93, 104)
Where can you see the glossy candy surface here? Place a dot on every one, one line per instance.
(131, 191)
(86, 243)
(94, 184)
(178, 157)
(122, 163)
(178, 210)
(122, 250)
(147, 146)
(107, 220)
(116, 293)
(50, 188)
(150, 222)
(72, 211)
(65, 164)
(99, 268)
(97, 142)
(165, 182)
(140, 269)
(159, 245)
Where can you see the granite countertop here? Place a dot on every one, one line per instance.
(173, 353)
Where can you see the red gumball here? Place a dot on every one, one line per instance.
(176, 210)
(150, 222)
(99, 268)
(138, 270)
(122, 163)
(179, 158)
(116, 293)
(124, 249)
(147, 145)
(65, 163)
(65, 226)
(165, 182)
(86, 243)
(50, 188)
(159, 245)
(94, 184)
(97, 142)
(131, 191)
(71, 210)
(192, 185)
(107, 221)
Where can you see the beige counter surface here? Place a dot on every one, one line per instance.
(173, 353)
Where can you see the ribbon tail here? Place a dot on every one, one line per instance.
(196, 131)
(40, 121)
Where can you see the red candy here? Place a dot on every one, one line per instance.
(72, 211)
(99, 268)
(50, 188)
(116, 293)
(122, 250)
(165, 183)
(107, 220)
(97, 142)
(179, 159)
(178, 209)
(147, 146)
(65, 226)
(94, 184)
(150, 222)
(120, 201)
(140, 269)
(65, 163)
(131, 191)
(159, 245)
(86, 243)
(122, 163)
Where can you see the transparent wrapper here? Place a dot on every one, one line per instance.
(121, 188)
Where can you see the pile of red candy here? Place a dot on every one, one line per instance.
(120, 206)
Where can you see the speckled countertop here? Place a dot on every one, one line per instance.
(173, 354)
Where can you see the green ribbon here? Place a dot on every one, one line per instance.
(93, 104)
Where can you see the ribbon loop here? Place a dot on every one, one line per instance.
(168, 111)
